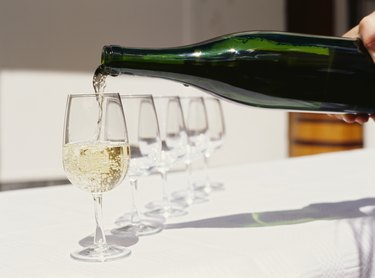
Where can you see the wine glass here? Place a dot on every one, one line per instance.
(95, 157)
(216, 134)
(196, 128)
(173, 137)
(145, 147)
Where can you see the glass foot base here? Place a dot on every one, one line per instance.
(213, 186)
(166, 212)
(125, 219)
(144, 228)
(217, 186)
(187, 197)
(105, 253)
(158, 204)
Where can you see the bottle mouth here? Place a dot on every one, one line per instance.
(106, 54)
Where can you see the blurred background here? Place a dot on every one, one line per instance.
(51, 48)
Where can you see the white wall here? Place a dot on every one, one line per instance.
(32, 108)
(51, 48)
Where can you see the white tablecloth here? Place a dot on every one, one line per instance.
(303, 217)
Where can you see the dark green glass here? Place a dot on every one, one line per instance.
(263, 69)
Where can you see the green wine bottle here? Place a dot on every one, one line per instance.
(263, 69)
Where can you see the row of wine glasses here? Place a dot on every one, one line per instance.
(205, 130)
(196, 130)
(145, 148)
(174, 140)
(100, 148)
(215, 136)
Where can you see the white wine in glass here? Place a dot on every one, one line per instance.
(95, 157)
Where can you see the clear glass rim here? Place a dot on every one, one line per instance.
(165, 97)
(76, 95)
(191, 97)
(136, 96)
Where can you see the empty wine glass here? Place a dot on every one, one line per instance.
(196, 129)
(145, 147)
(95, 158)
(215, 134)
(173, 137)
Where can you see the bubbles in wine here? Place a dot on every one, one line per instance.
(96, 166)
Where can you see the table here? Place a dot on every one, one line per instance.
(300, 217)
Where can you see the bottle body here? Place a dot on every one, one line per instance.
(263, 69)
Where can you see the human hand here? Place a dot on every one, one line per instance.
(365, 30)
(354, 118)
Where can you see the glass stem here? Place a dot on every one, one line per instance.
(135, 218)
(165, 196)
(189, 167)
(99, 237)
(207, 187)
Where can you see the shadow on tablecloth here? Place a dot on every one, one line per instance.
(313, 212)
(359, 213)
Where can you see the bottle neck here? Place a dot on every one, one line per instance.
(113, 56)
